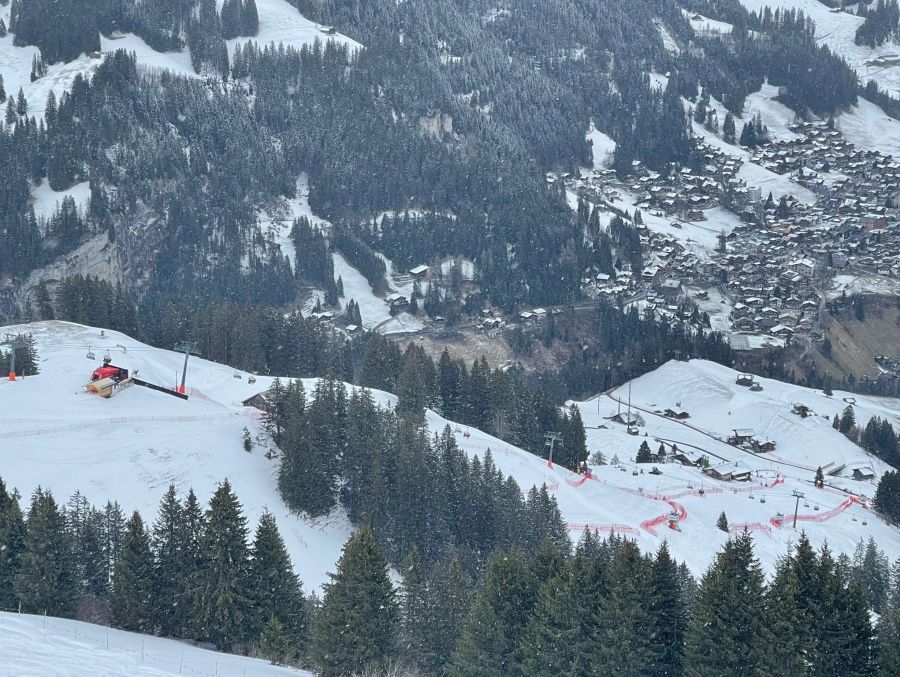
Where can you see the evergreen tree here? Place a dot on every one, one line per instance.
(644, 454)
(224, 602)
(668, 614)
(492, 633)
(45, 582)
(626, 640)
(192, 568)
(447, 605)
(168, 575)
(887, 495)
(728, 633)
(274, 645)
(722, 522)
(275, 591)
(12, 545)
(132, 604)
(357, 627)
(414, 610)
(848, 420)
(728, 128)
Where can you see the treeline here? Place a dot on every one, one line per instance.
(64, 29)
(606, 608)
(415, 491)
(26, 355)
(192, 573)
(887, 496)
(881, 24)
(360, 256)
(610, 346)
(313, 261)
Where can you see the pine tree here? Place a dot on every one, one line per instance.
(492, 633)
(12, 545)
(668, 614)
(21, 104)
(224, 605)
(848, 420)
(274, 645)
(232, 21)
(819, 479)
(275, 590)
(625, 646)
(414, 610)
(728, 634)
(728, 128)
(644, 454)
(357, 627)
(132, 607)
(167, 572)
(889, 629)
(45, 582)
(192, 568)
(449, 600)
(251, 18)
(722, 522)
(549, 642)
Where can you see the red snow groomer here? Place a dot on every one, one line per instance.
(110, 371)
(108, 380)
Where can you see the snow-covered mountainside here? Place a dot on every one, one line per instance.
(38, 646)
(837, 30)
(130, 447)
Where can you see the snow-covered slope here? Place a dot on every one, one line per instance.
(279, 23)
(837, 30)
(129, 448)
(717, 406)
(38, 646)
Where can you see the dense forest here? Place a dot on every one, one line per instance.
(602, 607)
(179, 167)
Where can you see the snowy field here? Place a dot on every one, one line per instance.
(602, 147)
(38, 646)
(46, 200)
(281, 23)
(129, 448)
(863, 284)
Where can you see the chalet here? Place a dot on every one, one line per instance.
(689, 458)
(741, 436)
(670, 288)
(419, 272)
(626, 418)
(728, 472)
(676, 412)
(763, 446)
(863, 474)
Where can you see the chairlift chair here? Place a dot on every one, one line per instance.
(815, 507)
(762, 499)
(90, 354)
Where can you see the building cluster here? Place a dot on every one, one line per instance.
(774, 268)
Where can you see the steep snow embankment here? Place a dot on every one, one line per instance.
(38, 646)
